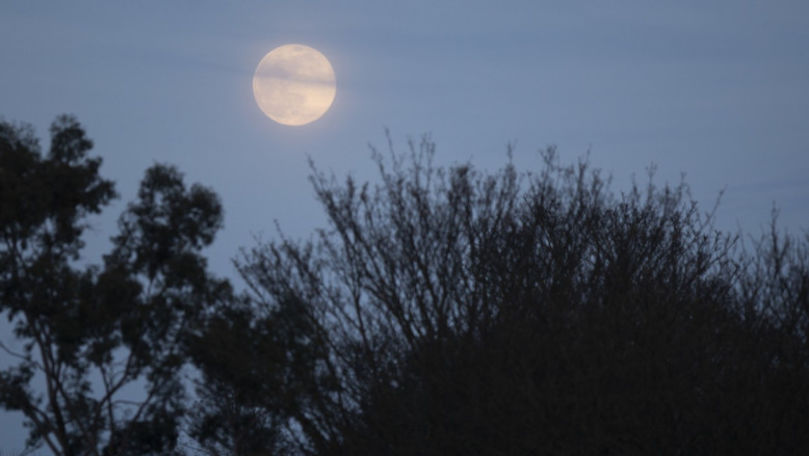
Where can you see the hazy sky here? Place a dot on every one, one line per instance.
(718, 90)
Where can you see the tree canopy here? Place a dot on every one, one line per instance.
(441, 311)
(466, 312)
(88, 334)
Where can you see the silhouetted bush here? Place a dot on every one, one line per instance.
(462, 312)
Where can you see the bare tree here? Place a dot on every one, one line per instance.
(463, 312)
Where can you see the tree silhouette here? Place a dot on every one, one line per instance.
(442, 311)
(459, 312)
(89, 333)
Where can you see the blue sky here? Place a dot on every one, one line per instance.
(717, 90)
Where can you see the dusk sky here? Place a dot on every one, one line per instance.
(716, 90)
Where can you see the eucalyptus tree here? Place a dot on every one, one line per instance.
(99, 349)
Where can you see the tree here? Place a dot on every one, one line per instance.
(90, 333)
(442, 311)
(459, 312)
(256, 365)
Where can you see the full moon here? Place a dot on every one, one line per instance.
(294, 84)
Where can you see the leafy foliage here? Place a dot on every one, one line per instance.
(90, 333)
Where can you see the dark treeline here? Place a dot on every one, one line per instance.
(441, 311)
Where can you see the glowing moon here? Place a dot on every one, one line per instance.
(294, 84)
